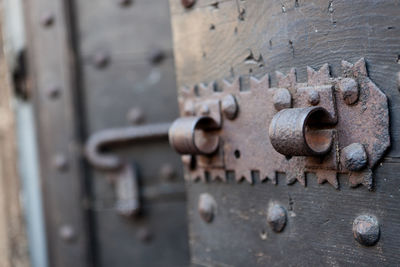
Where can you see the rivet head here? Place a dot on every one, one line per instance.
(349, 89)
(313, 97)
(366, 230)
(276, 217)
(157, 56)
(204, 110)
(188, 3)
(354, 157)
(101, 60)
(188, 108)
(47, 19)
(124, 2)
(207, 206)
(67, 233)
(60, 162)
(135, 116)
(282, 99)
(229, 107)
(167, 172)
(53, 92)
(144, 235)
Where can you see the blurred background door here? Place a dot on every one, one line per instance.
(95, 66)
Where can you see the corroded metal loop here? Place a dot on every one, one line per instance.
(300, 132)
(118, 136)
(194, 135)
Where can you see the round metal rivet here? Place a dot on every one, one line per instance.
(276, 217)
(157, 56)
(167, 172)
(354, 157)
(135, 116)
(204, 110)
(349, 89)
(124, 2)
(67, 233)
(229, 107)
(313, 97)
(282, 99)
(188, 3)
(60, 162)
(144, 235)
(53, 92)
(207, 206)
(101, 60)
(47, 19)
(366, 230)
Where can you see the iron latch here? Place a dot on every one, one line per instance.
(325, 126)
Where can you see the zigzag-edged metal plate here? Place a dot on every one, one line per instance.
(245, 145)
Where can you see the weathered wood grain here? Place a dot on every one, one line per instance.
(129, 35)
(13, 242)
(221, 39)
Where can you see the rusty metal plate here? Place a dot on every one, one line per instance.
(353, 132)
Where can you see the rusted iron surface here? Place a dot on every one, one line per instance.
(366, 230)
(276, 217)
(118, 136)
(292, 132)
(351, 110)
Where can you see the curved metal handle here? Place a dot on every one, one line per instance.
(115, 136)
(300, 132)
(193, 135)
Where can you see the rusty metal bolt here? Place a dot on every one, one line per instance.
(60, 162)
(229, 107)
(313, 97)
(207, 206)
(101, 60)
(135, 116)
(188, 3)
(53, 92)
(349, 89)
(204, 110)
(366, 230)
(167, 172)
(157, 56)
(188, 108)
(354, 157)
(124, 2)
(67, 233)
(282, 99)
(47, 19)
(276, 217)
(144, 235)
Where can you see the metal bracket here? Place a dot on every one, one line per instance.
(123, 175)
(326, 126)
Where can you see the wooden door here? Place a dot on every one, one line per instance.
(96, 66)
(228, 216)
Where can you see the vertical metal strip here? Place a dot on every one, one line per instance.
(52, 75)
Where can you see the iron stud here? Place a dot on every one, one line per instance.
(230, 107)
(354, 156)
(276, 217)
(349, 89)
(366, 230)
(207, 206)
(282, 99)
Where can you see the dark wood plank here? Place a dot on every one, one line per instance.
(216, 41)
(52, 65)
(129, 36)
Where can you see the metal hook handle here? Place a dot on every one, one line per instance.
(115, 136)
